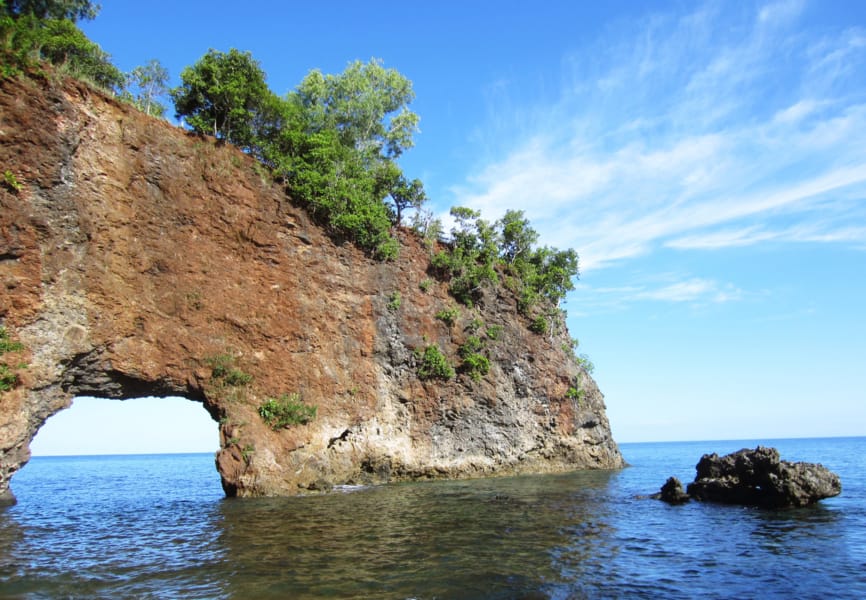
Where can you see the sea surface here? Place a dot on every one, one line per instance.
(157, 526)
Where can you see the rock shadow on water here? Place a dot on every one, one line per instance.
(491, 538)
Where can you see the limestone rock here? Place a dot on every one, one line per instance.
(760, 478)
(139, 260)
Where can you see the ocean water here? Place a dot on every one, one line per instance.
(158, 526)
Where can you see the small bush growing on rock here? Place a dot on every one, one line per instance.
(570, 347)
(425, 285)
(475, 365)
(539, 325)
(433, 364)
(575, 393)
(587, 365)
(247, 452)
(394, 301)
(8, 376)
(474, 325)
(285, 411)
(494, 331)
(11, 182)
(472, 345)
(448, 315)
(6, 344)
(224, 371)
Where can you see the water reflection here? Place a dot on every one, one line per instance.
(154, 527)
(495, 538)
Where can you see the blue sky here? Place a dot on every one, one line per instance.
(706, 160)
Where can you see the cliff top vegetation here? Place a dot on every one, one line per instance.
(334, 141)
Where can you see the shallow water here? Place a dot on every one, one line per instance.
(158, 526)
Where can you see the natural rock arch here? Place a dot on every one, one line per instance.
(136, 257)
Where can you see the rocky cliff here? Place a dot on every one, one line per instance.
(137, 260)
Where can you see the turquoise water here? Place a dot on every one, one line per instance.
(158, 527)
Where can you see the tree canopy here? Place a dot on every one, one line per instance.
(334, 140)
(367, 104)
(26, 38)
(477, 249)
(222, 94)
(145, 84)
(51, 9)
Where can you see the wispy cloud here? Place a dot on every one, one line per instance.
(693, 290)
(718, 128)
(668, 288)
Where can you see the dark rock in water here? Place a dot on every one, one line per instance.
(672, 492)
(760, 478)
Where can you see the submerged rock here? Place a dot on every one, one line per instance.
(760, 478)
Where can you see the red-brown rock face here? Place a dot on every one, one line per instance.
(135, 254)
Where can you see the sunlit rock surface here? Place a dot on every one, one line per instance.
(136, 256)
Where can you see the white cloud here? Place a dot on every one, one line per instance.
(796, 112)
(709, 130)
(780, 11)
(693, 290)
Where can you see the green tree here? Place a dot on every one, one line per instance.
(150, 82)
(72, 10)
(28, 39)
(367, 104)
(406, 194)
(223, 94)
(517, 236)
(335, 140)
(554, 272)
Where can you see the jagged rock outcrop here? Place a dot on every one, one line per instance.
(760, 478)
(136, 259)
(672, 492)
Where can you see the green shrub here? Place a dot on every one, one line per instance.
(285, 411)
(247, 452)
(394, 301)
(494, 331)
(224, 371)
(570, 347)
(11, 182)
(8, 376)
(475, 365)
(237, 378)
(585, 363)
(425, 285)
(474, 325)
(6, 344)
(433, 364)
(27, 40)
(575, 393)
(472, 345)
(539, 325)
(448, 315)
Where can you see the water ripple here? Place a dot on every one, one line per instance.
(158, 527)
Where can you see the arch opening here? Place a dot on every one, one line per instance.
(140, 448)
(149, 425)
